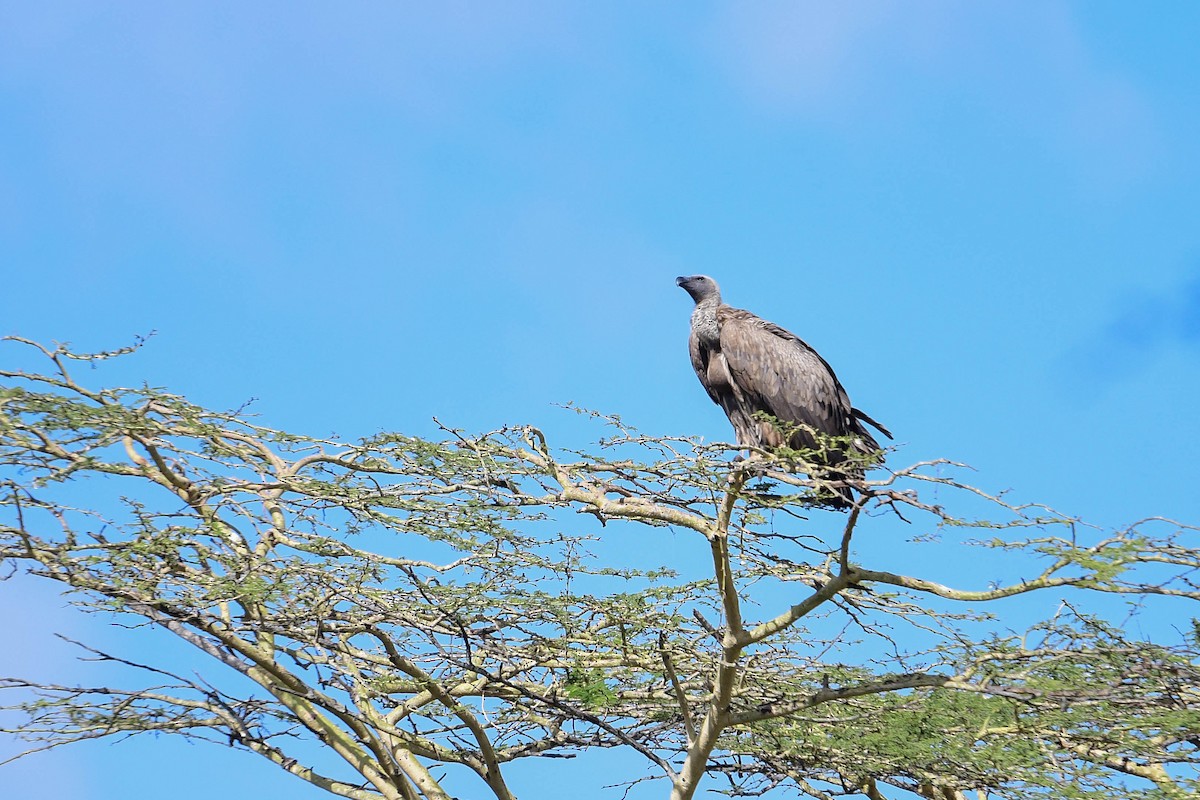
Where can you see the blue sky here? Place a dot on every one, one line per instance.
(982, 214)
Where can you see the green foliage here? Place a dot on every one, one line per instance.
(590, 686)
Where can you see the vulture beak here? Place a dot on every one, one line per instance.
(680, 281)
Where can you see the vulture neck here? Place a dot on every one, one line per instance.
(704, 320)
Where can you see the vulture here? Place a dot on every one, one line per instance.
(751, 368)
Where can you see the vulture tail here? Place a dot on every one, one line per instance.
(839, 498)
(859, 415)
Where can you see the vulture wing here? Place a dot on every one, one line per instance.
(781, 375)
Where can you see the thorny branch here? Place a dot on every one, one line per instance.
(415, 604)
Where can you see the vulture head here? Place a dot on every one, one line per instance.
(700, 287)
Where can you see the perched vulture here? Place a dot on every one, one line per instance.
(748, 365)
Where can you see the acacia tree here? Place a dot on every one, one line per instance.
(429, 611)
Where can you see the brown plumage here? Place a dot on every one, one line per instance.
(748, 365)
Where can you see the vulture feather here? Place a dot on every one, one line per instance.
(751, 367)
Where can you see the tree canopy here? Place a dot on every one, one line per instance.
(430, 611)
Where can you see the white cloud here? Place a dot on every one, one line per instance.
(1029, 67)
(798, 56)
